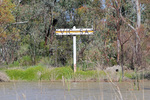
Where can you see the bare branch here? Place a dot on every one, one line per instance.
(13, 24)
(135, 30)
(20, 22)
(127, 39)
(109, 5)
(127, 22)
(4, 29)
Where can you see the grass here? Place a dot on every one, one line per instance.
(30, 73)
(130, 75)
(88, 75)
(40, 72)
(57, 73)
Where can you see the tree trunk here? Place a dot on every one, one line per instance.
(122, 58)
(137, 40)
(118, 51)
(137, 44)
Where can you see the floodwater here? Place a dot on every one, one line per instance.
(73, 91)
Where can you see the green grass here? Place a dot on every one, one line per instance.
(57, 73)
(30, 73)
(39, 72)
(129, 75)
(16, 74)
(88, 75)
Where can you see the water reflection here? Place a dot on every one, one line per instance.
(71, 91)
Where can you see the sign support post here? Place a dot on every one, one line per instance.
(74, 53)
(74, 32)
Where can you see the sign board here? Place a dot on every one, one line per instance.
(74, 31)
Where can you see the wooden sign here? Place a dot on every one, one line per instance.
(74, 31)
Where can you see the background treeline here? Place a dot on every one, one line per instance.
(122, 32)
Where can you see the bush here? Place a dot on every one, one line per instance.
(14, 64)
(46, 61)
(26, 61)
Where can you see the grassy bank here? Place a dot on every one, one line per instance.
(35, 73)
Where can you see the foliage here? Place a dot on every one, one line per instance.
(14, 64)
(6, 8)
(25, 61)
(26, 24)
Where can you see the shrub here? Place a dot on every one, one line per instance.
(14, 64)
(25, 61)
(46, 61)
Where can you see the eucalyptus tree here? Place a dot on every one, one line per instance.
(8, 34)
(32, 20)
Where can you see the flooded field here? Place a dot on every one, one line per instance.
(73, 91)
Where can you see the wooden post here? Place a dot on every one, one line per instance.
(74, 53)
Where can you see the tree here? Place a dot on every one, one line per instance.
(137, 32)
(6, 16)
(6, 36)
(115, 8)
